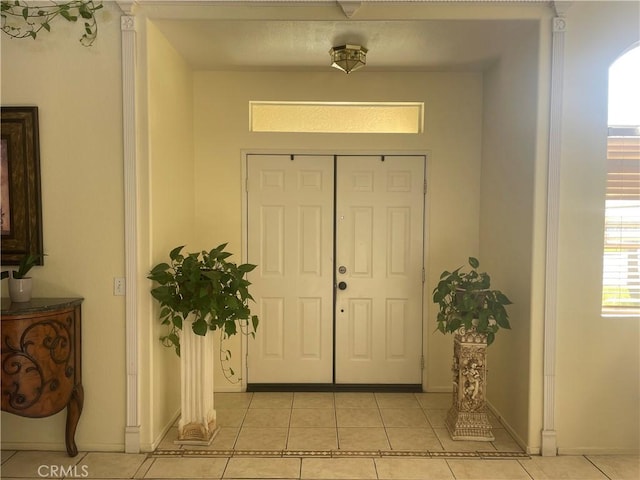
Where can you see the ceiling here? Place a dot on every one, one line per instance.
(303, 44)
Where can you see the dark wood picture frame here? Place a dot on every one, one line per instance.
(21, 201)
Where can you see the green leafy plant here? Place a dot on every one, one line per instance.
(26, 263)
(208, 286)
(21, 20)
(466, 300)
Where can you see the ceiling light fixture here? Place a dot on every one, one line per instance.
(348, 57)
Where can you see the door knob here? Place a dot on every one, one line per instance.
(342, 285)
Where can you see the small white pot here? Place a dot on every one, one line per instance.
(20, 289)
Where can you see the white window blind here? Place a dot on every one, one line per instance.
(621, 262)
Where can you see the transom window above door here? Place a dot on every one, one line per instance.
(336, 117)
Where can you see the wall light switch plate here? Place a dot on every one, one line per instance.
(119, 286)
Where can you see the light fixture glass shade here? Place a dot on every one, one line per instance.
(348, 57)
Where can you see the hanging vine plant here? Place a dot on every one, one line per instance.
(21, 20)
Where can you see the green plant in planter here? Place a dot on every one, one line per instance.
(26, 263)
(208, 286)
(466, 300)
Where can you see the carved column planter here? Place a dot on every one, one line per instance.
(467, 419)
(197, 425)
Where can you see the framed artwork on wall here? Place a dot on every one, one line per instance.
(20, 197)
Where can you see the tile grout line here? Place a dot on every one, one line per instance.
(237, 436)
(335, 415)
(293, 402)
(244, 416)
(453, 475)
(384, 425)
(478, 455)
(525, 470)
(226, 466)
(375, 467)
(599, 469)
(12, 454)
(423, 407)
(139, 473)
(335, 420)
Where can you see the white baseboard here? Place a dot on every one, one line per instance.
(150, 447)
(521, 443)
(560, 450)
(228, 389)
(437, 389)
(597, 451)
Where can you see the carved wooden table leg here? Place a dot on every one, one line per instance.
(74, 409)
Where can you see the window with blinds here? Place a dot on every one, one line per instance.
(621, 262)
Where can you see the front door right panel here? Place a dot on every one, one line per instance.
(379, 245)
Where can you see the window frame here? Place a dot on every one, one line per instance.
(623, 188)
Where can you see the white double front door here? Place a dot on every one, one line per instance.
(338, 241)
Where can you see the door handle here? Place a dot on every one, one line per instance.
(342, 285)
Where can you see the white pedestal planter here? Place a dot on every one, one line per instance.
(467, 419)
(197, 425)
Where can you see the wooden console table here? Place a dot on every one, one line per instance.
(41, 360)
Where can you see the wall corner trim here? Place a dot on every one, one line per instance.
(132, 430)
(548, 440)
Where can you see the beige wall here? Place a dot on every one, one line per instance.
(598, 369)
(509, 156)
(452, 138)
(171, 217)
(78, 92)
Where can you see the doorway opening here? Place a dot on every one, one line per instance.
(339, 244)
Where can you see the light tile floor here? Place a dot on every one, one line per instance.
(336, 423)
(327, 436)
